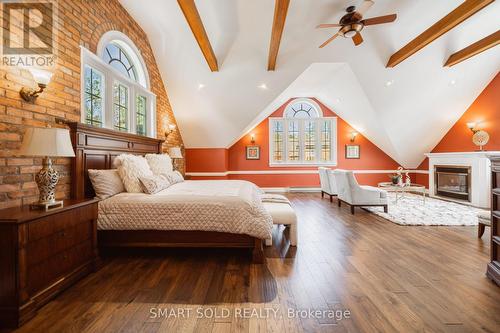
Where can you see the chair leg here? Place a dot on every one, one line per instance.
(293, 234)
(322, 195)
(331, 200)
(386, 209)
(480, 230)
(352, 210)
(339, 202)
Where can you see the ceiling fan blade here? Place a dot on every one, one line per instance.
(328, 40)
(328, 26)
(357, 39)
(380, 19)
(365, 6)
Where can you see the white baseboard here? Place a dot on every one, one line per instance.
(290, 189)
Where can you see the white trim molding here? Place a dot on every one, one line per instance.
(290, 172)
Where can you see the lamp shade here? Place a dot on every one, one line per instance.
(51, 142)
(41, 76)
(175, 152)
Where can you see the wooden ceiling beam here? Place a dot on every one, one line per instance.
(454, 18)
(480, 46)
(193, 18)
(280, 12)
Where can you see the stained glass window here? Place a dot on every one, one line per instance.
(293, 141)
(278, 141)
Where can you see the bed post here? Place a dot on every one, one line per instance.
(258, 252)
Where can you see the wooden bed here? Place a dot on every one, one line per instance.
(96, 148)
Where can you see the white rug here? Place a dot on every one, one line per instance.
(411, 210)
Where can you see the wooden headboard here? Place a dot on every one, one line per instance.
(96, 148)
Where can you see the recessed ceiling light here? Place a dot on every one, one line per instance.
(337, 100)
(453, 82)
(389, 83)
(263, 86)
(201, 86)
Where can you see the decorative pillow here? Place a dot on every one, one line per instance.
(106, 183)
(159, 163)
(153, 184)
(173, 177)
(131, 168)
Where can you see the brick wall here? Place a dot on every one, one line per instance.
(80, 22)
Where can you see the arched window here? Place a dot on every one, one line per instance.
(303, 135)
(119, 60)
(303, 108)
(115, 87)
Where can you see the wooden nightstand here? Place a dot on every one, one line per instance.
(41, 254)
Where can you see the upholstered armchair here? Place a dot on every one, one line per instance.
(327, 181)
(355, 195)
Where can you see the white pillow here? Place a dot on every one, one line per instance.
(131, 168)
(153, 184)
(173, 177)
(159, 163)
(106, 183)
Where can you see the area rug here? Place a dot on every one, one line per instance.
(411, 210)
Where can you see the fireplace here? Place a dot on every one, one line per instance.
(453, 182)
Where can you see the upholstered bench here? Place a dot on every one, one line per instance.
(283, 213)
(484, 218)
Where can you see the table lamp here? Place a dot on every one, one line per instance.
(47, 142)
(175, 153)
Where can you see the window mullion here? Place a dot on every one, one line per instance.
(317, 139)
(302, 141)
(285, 141)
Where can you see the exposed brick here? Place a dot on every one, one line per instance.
(80, 23)
(20, 161)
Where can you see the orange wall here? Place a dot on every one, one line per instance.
(371, 156)
(234, 158)
(206, 160)
(485, 109)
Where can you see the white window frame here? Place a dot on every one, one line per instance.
(119, 83)
(111, 75)
(302, 162)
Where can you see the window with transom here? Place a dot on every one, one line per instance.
(303, 136)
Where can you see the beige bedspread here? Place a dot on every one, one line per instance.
(208, 205)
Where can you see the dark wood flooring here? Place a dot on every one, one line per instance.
(390, 278)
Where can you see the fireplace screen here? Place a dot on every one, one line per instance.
(453, 182)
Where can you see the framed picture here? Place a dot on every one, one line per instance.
(253, 152)
(352, 151)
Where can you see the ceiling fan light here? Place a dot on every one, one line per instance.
(350, 33)
(350, 30)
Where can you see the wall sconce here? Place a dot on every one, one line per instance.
(169, 129)
(42, 78)
(252, 138)
(354, 135)
(473, 127)
(480, 137)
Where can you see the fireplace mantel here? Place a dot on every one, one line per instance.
(480, 173)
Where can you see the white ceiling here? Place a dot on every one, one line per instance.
(405, 119)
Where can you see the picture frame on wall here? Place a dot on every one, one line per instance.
(352, 151)
(253, 152)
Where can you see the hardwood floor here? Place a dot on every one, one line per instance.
(390, 278)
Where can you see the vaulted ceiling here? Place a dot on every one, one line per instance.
(404, 110)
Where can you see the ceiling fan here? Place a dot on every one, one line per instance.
(352, 23)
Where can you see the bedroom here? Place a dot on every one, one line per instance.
(347, 187)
